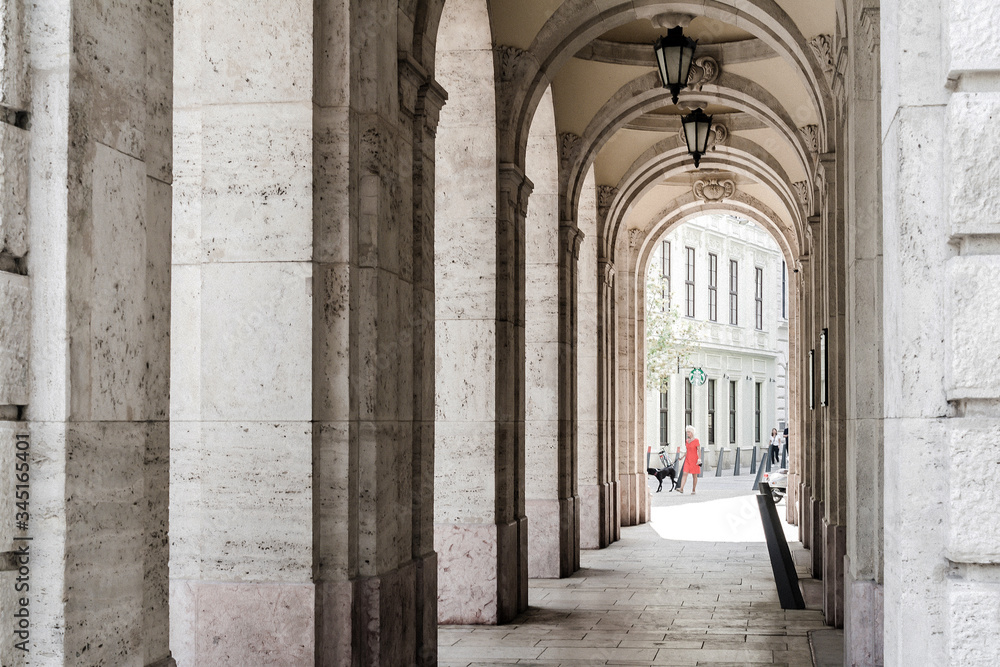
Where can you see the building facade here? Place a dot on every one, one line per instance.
(726, 275)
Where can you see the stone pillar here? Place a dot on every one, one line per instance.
(607, 369)
(940, 70)
(865, 363)
(834, 462)
(593, 480)
(84, 352)
(480, 526)
(242, 437)
(570, 240)
(634, 492)
(550, 444)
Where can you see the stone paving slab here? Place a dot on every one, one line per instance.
(650, 601)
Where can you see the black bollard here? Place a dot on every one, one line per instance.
(784, 457)
(736, 468)
(785, 578)
(722, 458)
(753, 461)
(760, 471)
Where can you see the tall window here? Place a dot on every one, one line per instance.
(713, 283)
(665, 271)
(734, 296)
(687, 402)
(758, 297)
(784, 288)
(689, 282)
(711, 412)
(756, 413)
(664, 419)
(732, 411)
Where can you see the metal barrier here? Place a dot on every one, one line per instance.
(736, 467)
(786, 579)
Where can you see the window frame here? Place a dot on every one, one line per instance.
(734, 292)
(713, 285)
(711, 411)
(759, 297)
(689, 282)
(732, 412)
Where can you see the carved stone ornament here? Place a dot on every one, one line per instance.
(822, 46)
(811, 134)
(634, 237)
(870, 24)
(507, 59)
(605, 195)
(712, 189)
(704, 70)
(802, 193)
(569, 144)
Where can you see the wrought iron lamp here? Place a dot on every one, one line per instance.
(674, 55)
(696, 126)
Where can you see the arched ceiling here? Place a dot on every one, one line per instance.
(774, 78)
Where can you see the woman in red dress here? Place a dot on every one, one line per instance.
(692, 460)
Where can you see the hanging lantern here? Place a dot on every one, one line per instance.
(674, 55)
(696, 126)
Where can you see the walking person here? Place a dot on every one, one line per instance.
(775, 447)
(692, 460)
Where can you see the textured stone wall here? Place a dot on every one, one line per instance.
(98, 272)
(940, 67)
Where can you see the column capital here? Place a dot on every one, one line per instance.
(512, 180)
(570, 237)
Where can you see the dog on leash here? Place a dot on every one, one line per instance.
(662, 474)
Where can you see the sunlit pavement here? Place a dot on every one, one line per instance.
(692, 587)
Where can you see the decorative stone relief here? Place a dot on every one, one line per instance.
(607, 272)
(822, 46)
(811, 134)
(713, 190)
(507, 61)
(704, 70)
(802, 193)
(605, 196)
(634, 237)
(870, 25)
(569, 145)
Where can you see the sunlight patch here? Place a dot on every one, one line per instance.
(726, 520)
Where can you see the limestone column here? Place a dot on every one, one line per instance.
(835, 464)
(940, 67)
(545, 444)
(480, 526)
(634, 493)
(863, 560)
(607, 369)
(84, 287)
(593, 475)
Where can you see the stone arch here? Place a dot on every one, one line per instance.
(645, 94)
(575, 24)
(740, 157)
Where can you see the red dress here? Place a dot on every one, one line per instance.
(691, 457)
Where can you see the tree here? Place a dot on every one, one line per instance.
(670, 338)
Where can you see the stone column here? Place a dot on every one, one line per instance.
(834, 461)
(607, 369)
(594, 485)
(940, 70)
(550, 453)
(634, 492)
(84, 352)
(863, 560)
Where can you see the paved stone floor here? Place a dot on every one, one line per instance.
(647, 600)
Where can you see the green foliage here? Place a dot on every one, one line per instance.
(670, 338)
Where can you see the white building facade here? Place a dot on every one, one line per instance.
(728, 276)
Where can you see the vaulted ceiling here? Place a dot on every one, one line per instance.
(766, 79)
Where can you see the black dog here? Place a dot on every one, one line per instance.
(662, 474)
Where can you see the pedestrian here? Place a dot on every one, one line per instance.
(692, 460)
(775, 447)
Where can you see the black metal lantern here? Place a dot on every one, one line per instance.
(674, 55)
(696, 126)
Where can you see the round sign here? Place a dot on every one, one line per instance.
(698, 376)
